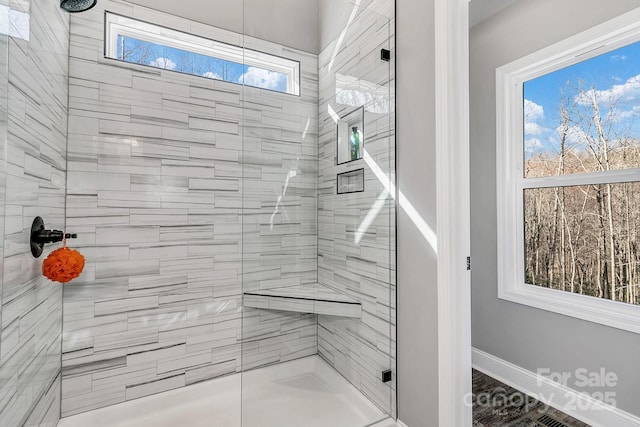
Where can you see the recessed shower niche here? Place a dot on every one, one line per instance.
(350, 136)
(350, 182)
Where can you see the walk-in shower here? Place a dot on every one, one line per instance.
(229, 171)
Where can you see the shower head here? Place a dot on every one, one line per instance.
(74, 6)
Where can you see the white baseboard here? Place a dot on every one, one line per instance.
(401, 424)
(578, 405)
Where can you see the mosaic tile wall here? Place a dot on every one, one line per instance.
(36, 131)
(356, 232)
(155, 192)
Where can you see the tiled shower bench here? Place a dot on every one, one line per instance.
(309, 298)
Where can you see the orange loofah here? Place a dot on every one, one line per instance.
(63, 265)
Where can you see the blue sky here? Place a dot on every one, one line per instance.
(613, 77)
(143, 52)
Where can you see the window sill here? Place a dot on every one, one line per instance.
(605, 312)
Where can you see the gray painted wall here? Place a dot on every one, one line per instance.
(480, 10)
(522, 335)
(291, 23)
(334, 16)
(417, 273)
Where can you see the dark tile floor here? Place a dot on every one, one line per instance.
(498, 405)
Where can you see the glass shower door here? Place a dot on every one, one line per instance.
(279, 215)
(318, 219)
(356, 199)
(5, 373)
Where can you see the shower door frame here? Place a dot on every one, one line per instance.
(453, 211)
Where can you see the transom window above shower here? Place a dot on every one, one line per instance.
(142, 43)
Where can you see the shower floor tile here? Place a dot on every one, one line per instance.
(304, 392)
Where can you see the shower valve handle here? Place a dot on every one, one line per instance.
(51, 236)
(41, 236)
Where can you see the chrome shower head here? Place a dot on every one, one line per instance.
(74, 6)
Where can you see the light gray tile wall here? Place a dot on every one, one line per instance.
(356, 232)
(30, 344)
(280, 163)
(4, 90)
(155, 192)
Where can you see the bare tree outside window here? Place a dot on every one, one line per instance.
(584, 238)
(143, 52)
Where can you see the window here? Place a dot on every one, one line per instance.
(568, 172)
(14, 22)
(138, 42)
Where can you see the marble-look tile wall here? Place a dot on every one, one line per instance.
(279, 223)
(30, 342)
(4, 95)
(157, 196)
(356, 232)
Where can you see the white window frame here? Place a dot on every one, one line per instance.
(118, 25)
(613, 34)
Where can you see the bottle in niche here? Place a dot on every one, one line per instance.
(355, 143)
